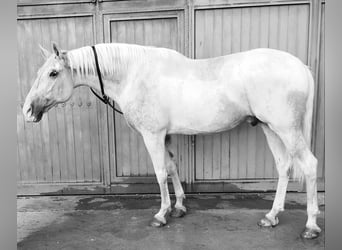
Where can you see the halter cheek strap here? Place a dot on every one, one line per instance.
(104, 98)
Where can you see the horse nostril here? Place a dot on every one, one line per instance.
(29, 110)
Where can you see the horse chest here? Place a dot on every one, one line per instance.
(144, 115)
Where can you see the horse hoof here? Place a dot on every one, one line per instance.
(309, 233)
(265, 222)
(177, 213)
(157, 223)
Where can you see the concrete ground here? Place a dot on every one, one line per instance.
(222, 221)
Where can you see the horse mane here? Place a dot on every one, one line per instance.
(113, 58)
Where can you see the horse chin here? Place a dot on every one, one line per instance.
(38, 117)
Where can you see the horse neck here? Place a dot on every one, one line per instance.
(111, 87)
(114, 82)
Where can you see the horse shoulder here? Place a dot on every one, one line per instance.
(143, 110)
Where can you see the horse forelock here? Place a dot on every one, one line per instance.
(112, 58)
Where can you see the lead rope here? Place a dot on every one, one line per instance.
(104, 98)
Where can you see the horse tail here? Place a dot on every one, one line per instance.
(298, 174)
(307, 123)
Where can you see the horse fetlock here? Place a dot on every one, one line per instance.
(178, 212)
(313, 226)
(276, 210)
(180, 197)
(181, 207)
(313, 212)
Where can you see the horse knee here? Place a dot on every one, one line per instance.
(171, 167)
(161, 176)
(284, 167)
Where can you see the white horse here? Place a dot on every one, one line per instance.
(162, 92)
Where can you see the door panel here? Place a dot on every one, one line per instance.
(64, 146)
(155, 29)
(84, 141)
(243, 153)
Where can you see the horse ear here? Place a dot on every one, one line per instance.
(63, 55)
(55, 49)
(44, 52)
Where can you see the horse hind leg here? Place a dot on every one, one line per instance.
(306, 165)
(283, 164)
(179, 209)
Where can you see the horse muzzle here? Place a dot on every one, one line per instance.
(33, 111)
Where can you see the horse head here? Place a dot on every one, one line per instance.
(52, 85)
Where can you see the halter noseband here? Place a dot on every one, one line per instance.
(104, 98)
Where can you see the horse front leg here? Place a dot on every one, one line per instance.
(155, 146)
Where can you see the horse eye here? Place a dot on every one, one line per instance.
(53, 73)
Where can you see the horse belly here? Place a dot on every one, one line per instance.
(207, 112)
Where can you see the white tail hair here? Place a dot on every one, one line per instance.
(307, 124)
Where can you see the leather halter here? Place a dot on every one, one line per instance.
(105, 99)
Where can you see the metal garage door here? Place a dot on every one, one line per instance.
(84, 147)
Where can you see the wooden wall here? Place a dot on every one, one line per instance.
(64, 146)
(242, 153)
(84, 143)
(160, 30)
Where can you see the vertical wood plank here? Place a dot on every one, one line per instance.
(44, 29)
(273, 27)
(208, 31)
(245, 28)
(216, 156)
(225, 155)
(21, 138)
(61, 124)
(207, 156)
(264, 27)
(234, 136)
(236, 38)
(134, 167)
(242, 150)
(319, 143)
(292, 30)
(93, 114)
(252, 131)
(227, 31)
(203, 28)
(243, 129)
(84, 110)
(78, 132)
(35, 29)
(260, 154)
(199, 158)
(283, 27)
(22, 153)
(303, 32)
